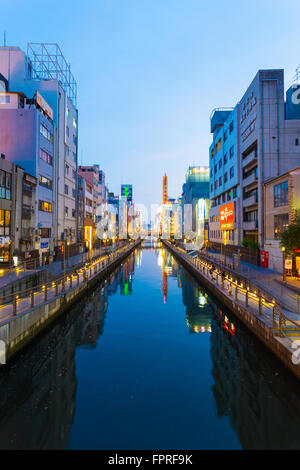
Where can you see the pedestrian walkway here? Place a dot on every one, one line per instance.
(264, 278)
(19, 302)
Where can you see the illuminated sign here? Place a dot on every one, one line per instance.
(44, 105)
(126, 191)
(227, 216)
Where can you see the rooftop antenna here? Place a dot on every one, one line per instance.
(4, 38)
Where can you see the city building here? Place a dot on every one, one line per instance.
(19, 238)
(195, 192)
(265, 138)
(224, 174)
(44, 74)
(281, 203)
(27, 140)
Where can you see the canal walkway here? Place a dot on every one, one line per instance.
(265, 278)
(277, 328)
(22, 312)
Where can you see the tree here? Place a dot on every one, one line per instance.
(290, 238)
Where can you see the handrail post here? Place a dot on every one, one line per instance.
(259, 304)
(236, 292)
(246, 298)
(15, 304)
(280, 324)
(45, 292)
(274, 315)
(32, 298)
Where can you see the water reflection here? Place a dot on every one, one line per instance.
(249, 388)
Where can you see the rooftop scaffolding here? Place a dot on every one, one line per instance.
(47, 62)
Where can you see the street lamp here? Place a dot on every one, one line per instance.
(283, 262)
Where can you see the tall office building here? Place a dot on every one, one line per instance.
(43, 70)
(264, 144)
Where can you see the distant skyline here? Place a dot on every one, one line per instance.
(150, 73)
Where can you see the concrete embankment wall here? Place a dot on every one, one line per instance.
(281, 347)
(18, 330)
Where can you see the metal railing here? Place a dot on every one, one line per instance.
(22, 300)
(244, 293)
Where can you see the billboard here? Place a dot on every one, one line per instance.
(126, 191)
(227, 216)
(44, 105)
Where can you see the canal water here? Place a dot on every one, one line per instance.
(148, 360)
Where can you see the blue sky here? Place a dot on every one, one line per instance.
(150, 72)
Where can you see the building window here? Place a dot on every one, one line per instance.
(73, 212)
(211, 187)
(47, 134)
(67, 170)
(231, 172)
(67, 151)
(281, 194)
(4, 222)
(225, 158)
(231, 127)
(66, 189)
(67, 111)
(74, 123)
(229, 196)
(225, 135)
(211, 172)
(46, 157)
(45, 206)
(220, 181)
(66, 211)
(216, 168)
(74, 157)
(297, 142)
(74, 193)
(5, 185)
(45, 182)
(74, 174)
(220, 163)
(225, 177)
(67, 131)
(281, 222)
(45, 232)
(231, 151)
(4, 99)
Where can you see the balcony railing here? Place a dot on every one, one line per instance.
(250, 225)
(249, 159)
(250, 201)
(250, 179)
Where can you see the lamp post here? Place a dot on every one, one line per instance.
(283, 263)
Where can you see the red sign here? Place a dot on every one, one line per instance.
(227, 216)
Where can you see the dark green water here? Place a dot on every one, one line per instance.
(148, 360)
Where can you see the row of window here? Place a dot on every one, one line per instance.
(45, 182)
(231, 154)
(67, 212)
(281, 221)
(46, 157)
(45, 206)
(4, 222)
(220, 234)
(218, 182)
(46, 133)
(281, 194)
(67, 191)
(225, 197)
(67, 171)
(5, 184)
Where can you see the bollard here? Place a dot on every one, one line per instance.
(246, 298)
(45, 293)
(32, 298)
